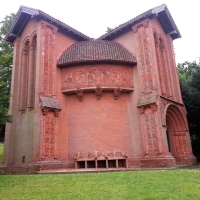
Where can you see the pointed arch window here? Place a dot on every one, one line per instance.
(31, 74)
(24, 79)
(27, 85)
(163, 68)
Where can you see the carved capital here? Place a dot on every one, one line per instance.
(162, 46)
(146, 24)
(141, 110)
(56, 113)
(79, 94)
(98, 92)
(153, 107)
(32, 46)
(157, 41)
(25, 51)
(135, 29)
(44, 25)
(45, 111)
(54, 30)
(117, 92)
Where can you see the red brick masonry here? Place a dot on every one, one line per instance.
(104, 104)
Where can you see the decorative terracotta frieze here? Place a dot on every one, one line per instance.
(48, 52)
(49, 137)
(98, 92)
(92, 76)
(79, 94)
(117, 92)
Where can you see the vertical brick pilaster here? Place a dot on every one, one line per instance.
(144, 56)
(31, 75)
(48, 81)
(49, 33)
(23, 84)
(160, 68)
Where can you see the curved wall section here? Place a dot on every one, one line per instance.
(98, 125)
(87, 77)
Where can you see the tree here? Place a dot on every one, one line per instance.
(6, 57)
(108, 29)
(189, 75)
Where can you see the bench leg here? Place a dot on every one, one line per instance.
(117, 166)
(76, 165)
(126, 163)
(96, 163)
(107, 163)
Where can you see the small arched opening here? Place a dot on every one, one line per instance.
(178, 136)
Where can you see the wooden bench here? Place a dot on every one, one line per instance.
(101, 159)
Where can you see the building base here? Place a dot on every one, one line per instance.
(147, 162)
(158, 161)
(186, 160)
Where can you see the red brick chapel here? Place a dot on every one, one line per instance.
(80, 103)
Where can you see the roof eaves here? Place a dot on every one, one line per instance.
(148, 14)
(131, 22)
(173, 23)
(175, 32)
(63, 25)
(30, 13)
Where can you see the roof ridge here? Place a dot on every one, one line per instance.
(121, 25)
(42, 12)
(138, 18)
(37, 12)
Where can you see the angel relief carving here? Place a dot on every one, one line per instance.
(126, 80)
(81, 78)
(98, 92)
(117, 92)
(104, 77)
(116, 77)
(79, 93)
(92, 76)
(68, 82)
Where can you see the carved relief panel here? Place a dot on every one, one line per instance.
(151, 134)
(49, 137)
(48, 52)
(91, 76)
(180, 143)
(144, 56)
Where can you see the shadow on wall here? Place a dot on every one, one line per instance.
(2, 133)
(196, 149)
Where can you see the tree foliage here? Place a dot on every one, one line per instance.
(6, 57)
(109, 29)
(189, 75)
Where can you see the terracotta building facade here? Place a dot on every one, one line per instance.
(106, 103)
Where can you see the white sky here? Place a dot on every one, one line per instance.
(92, 17)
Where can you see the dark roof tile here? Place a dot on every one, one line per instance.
(24, 14)
(96, 50)
(161, 12)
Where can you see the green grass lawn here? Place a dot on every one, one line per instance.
(134, 185)
(148, 185)
(1, 152)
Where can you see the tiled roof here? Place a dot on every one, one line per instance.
(49, 102)
(96, 50)
(161, 12)
(24, 14)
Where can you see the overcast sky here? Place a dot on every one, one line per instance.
(92, 17)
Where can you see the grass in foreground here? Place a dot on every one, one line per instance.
(143, 185)
(1, 152)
